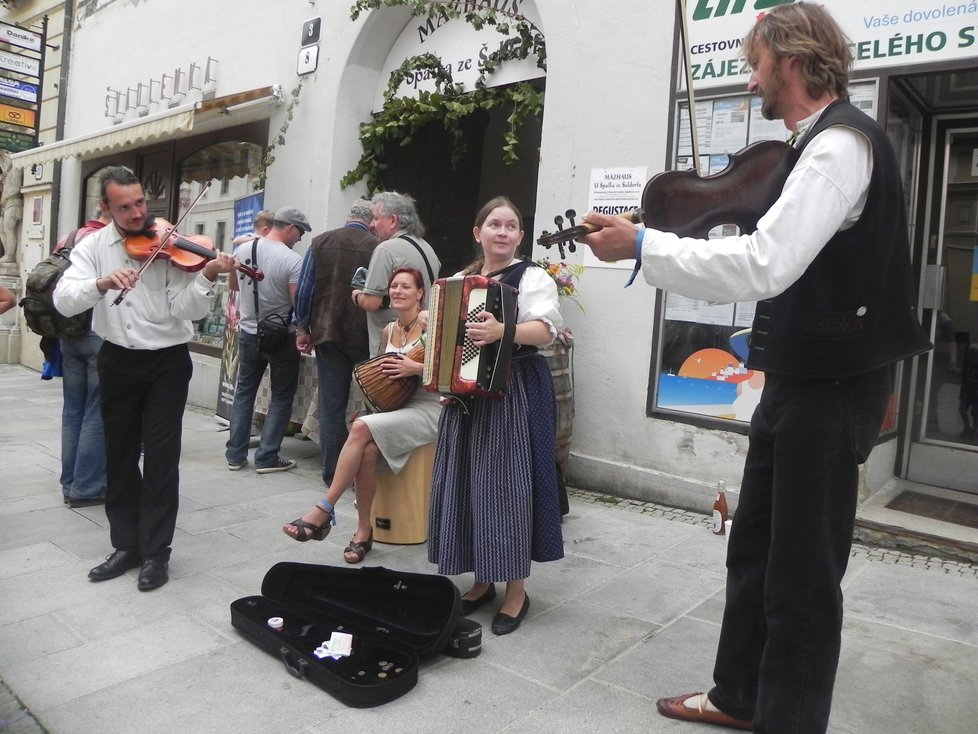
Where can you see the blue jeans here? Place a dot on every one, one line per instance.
(789, 547)
(284, 381)
(82, 433)
(334, 366)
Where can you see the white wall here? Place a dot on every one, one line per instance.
(607, 104)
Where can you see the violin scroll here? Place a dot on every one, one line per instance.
(576, 231)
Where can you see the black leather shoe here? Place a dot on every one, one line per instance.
(503, 624)
(153, 574)
(470, 605)
(115, 564)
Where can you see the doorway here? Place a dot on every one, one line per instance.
(450, 185)
(940, 441)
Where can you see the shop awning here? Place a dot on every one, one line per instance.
(216, 112)
(145, 129)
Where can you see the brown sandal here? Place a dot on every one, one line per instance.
(318, 532)
(358, 549)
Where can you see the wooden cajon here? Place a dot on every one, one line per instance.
(400, 510)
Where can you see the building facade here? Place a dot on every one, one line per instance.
(266, 106)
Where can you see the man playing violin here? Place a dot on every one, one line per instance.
(829, 267)
(144, 371)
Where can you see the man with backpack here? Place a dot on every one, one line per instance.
(82, 432)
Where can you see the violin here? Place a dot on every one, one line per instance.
(187, 252)
(690, 205)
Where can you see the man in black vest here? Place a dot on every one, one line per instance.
(326, 318)
(829, 265)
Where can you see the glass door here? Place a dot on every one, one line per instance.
(943, 448)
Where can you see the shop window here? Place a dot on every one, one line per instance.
(230, 168)
(93, 197)
(699, 373)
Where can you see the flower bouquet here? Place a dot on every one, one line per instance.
(565, 277)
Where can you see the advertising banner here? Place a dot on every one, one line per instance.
(17, 36)
(245, 210)
(883, 33)
(18, 90)
(17, 116)
(20, 64)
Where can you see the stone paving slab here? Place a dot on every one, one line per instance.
(630, 614)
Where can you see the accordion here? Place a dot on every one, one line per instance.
(453, 365)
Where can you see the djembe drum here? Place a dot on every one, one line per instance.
(381, 393)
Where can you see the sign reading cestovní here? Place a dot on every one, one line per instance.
(883, 33)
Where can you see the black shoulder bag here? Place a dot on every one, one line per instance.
(273, 331)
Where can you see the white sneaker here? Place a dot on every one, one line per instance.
(236, 467)
(279, 465)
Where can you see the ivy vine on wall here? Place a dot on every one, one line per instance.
(449, 104)
(268, 159)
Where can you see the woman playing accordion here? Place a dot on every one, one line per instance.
(494, 502)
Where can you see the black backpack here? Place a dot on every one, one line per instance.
(38, 301)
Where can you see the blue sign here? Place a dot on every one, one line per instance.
(18, 90)
(245, 210)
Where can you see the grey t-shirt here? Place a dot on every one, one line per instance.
(281, 267)
(387, 257)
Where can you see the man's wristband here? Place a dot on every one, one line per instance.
(356, 297)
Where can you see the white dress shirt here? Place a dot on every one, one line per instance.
(155, 314)
(824, 193)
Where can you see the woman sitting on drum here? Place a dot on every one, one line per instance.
(391, 436)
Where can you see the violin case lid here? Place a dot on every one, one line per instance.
(395, 618)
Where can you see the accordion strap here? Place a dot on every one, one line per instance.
(508, 298)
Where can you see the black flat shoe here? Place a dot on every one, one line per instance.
(153, 574)
(470, 605)
(116, 564)
(503, 624)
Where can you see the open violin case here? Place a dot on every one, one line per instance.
(390, 620)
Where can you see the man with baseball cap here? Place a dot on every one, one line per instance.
(291, 215)
(269, 302)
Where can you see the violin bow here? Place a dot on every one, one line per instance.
(159, 248)
(694, 140)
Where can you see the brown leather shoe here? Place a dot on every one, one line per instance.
(674, 708)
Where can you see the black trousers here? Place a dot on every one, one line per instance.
(144, 393)
(789, 548)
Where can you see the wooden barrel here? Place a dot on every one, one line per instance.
(559, 357)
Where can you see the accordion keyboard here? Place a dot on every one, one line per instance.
(469, 367)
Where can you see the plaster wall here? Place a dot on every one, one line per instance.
(609, 76)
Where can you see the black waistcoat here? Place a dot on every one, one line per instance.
(854, 308)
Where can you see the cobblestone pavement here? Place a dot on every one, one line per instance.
(871, 553)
